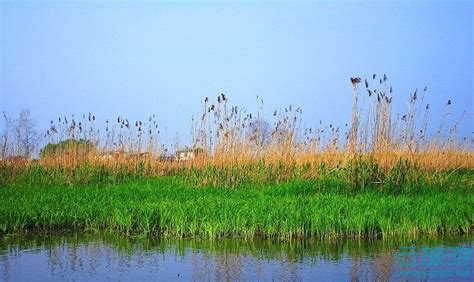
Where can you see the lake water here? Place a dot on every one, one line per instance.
(106, 257)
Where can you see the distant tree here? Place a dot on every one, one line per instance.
(25, 134)
(259, 132)
(69, 148)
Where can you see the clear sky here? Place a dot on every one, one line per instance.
(139, 58)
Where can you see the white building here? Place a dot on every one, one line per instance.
(188, 154)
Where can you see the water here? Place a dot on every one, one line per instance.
(106, 257)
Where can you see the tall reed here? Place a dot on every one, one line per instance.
(235, 144)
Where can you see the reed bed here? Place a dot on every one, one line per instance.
(245, 175)
(233, 145)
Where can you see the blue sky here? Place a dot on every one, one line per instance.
(140, 58)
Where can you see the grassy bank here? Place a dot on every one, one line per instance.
(168, 206)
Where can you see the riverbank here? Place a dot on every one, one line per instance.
(168, 206)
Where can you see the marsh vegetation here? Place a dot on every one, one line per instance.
(381, 174)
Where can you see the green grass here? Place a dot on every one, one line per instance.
(170, 206)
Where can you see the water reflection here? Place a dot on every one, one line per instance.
(107, 257)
